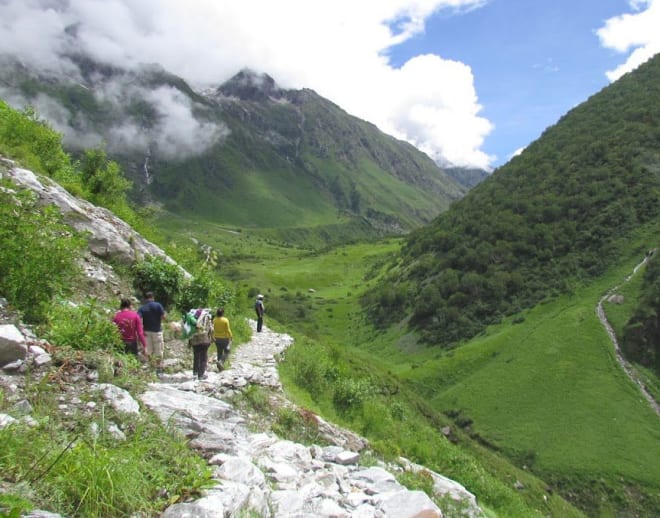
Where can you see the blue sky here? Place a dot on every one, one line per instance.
(469, 82)
(532, 60)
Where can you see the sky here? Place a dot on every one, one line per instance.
(470, 82)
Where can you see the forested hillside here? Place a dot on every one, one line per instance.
(554, 216)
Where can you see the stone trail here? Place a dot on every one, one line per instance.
(258, 474)
(610, 296)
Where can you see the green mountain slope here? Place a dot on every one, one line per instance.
(554, 216)
(504, 287)
(247, 154)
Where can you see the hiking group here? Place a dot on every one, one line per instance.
(200, 327)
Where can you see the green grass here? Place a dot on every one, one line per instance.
(64, 465)
(550, 394)
(545, 393)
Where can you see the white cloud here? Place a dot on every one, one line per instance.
(178, 132)
(337, 48)
(637, 34)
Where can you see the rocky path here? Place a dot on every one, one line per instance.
(617, 348)
(258, 474)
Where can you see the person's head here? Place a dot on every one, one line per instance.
(260, 297)
(149, 295)
(125, 304)
(220, 312)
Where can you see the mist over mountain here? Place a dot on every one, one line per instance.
(275, 157)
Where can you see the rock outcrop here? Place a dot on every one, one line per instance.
(108, 237)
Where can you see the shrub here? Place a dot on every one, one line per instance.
(84, 327)
(96, 476)
(421, 480)
(349, 394)
(27, 138)
(105, 184)
(163, 278)
(203, 290)
(309, 366)
(37, 253)
(298, 426)
(257, 397)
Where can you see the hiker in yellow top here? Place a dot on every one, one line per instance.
(222, 336)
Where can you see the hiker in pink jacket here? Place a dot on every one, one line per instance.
(130, 328)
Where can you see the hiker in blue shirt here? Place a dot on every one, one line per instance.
(153, 314)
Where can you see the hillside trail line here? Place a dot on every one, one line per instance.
(625, 365)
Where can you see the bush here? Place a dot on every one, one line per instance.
(297, 425)
(96, 476)
(84, 327)
(164, 279)
(349, 394)
(105, 184)
(27, 138)
(37, 253)
(310, 367)
(203, 290)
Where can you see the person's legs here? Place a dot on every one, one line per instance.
(131, 348)
(260, 323)
(203, 360)
(222, 347)
(196, 360)
(155, 347)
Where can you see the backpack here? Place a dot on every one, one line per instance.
(198, 326)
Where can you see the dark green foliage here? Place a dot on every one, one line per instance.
(12, 506)
(37, 253)
(205, 289)
(105, 183)
(27, 138)
(641, 340)
(79, 474)
(349, 394)
(159, 276)
(552, 217)
(82, 327)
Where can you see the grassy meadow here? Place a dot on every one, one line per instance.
(539, 395)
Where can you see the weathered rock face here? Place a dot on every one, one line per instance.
(108, 236)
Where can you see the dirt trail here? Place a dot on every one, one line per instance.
(625, 365)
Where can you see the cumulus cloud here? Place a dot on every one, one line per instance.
(337, 48)
(637, 34)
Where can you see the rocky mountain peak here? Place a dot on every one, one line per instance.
(248, 85)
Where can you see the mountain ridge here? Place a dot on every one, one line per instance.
(247, 153)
